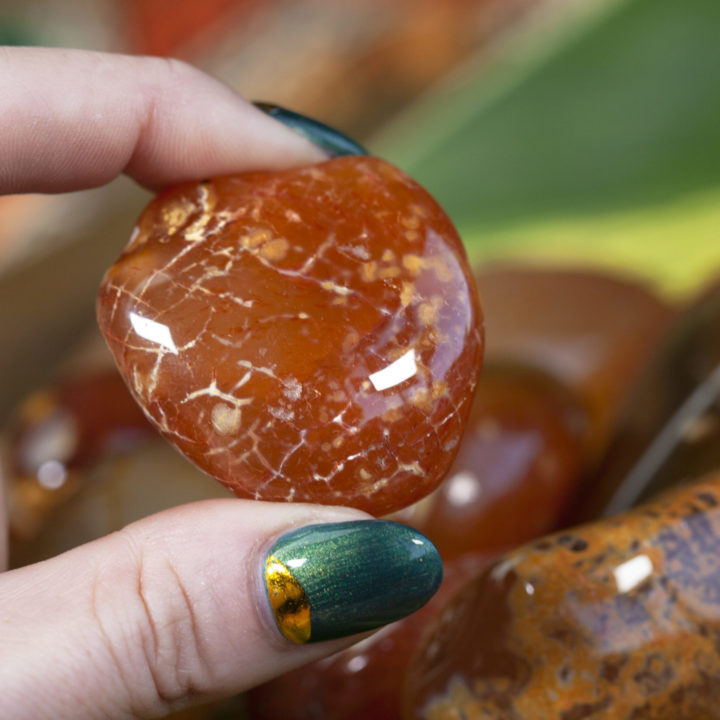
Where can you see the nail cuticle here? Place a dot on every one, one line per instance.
(338, 579)
(332, 141)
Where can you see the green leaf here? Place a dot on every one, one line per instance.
(591, 147)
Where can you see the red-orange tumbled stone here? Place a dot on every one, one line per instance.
(593, 331)
(519, 465)
(309, 335)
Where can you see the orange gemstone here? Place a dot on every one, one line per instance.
(519, 465)
(593, 331)
(310, 335)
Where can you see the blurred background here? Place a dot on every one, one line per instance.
(578, 132)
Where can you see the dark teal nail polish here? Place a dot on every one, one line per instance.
(325, 137)
(337, 579)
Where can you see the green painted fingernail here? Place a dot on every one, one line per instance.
(337, 579)
(325, 137)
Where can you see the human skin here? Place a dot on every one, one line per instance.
(170, 610)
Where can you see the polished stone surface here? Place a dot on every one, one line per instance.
(311, 335)
(617, 619)
(519, 466)
(593, 331)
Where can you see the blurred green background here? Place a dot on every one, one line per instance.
(581, 132)
(601, 144)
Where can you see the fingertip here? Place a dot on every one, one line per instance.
(75, 119)
(195, 126)
(169, 610)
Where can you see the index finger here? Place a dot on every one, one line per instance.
(72, 119)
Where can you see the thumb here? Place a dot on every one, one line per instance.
(193, 603)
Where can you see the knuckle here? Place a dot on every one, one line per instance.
(151, 630)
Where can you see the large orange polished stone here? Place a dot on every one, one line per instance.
(309, 335)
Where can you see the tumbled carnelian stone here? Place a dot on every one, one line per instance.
(593, 331)
(309, 335)
(519, 466)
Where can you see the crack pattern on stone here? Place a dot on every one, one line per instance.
(251, 314)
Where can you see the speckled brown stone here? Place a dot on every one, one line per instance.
(616, 620)
(309, 335)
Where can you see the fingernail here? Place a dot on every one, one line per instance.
(325, 137)
(336, 579)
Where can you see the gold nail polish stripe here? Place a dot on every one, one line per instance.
(288, 600)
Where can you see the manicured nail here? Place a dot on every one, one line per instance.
(325, 137)
(336, 579)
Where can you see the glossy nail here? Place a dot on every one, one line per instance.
(336, 579)
(325, 137)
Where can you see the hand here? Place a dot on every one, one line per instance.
(172, 609)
